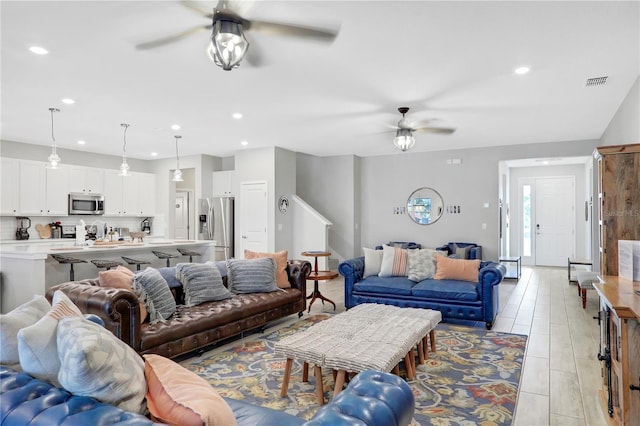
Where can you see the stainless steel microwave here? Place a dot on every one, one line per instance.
(80, 203)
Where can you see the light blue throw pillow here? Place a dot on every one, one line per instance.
(202, 283)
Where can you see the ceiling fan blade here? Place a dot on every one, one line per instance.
(322, 34)
(172, 39)
(198, 8)
(441, 130)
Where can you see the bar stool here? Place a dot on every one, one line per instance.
(108, 264)
(190, 253)
(136, 262)
(163, 255)
(70, 261)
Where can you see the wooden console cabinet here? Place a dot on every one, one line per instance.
(620, 349)
(618, 201)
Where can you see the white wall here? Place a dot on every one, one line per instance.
(624, 128)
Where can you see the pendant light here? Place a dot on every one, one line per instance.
(404, 139)
(124, 167)
(177, 173)
(54, 159)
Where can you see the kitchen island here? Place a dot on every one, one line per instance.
(27, 269)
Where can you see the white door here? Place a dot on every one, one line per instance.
(182, 215)
(253, 216)
(554, 220)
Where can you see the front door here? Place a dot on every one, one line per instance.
(555, 219)
(253, 216)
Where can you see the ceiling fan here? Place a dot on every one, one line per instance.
(404, 139)
(228, 43)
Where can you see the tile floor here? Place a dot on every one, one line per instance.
(561, 374)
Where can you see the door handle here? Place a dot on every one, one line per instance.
(244, 237)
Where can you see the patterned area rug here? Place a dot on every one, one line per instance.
(472, 379)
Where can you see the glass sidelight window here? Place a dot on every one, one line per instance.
(526, 221)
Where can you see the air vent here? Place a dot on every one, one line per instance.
(596, 81)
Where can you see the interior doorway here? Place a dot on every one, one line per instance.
(253, 216)
(183, 213)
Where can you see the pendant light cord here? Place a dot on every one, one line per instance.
(53, 146)
(177, 157)
(124, 144)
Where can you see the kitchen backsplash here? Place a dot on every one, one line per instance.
(8, 225)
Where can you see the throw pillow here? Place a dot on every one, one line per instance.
(282, 278)
(202, 283)
(252, 275)
(95, 363)
(457, 269)
(169, 275)
(11, 323)
(154, 291)
(372, 262)
(394, 262)
(37, 345)
(121, 277)
(421, 264)
(461, 251)
(178, 396)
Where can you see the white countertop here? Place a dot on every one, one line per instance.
(42, 248)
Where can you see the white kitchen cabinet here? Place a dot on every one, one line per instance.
(57, 194)
(223, 182)
(43, 192)
(32, 184)
(9, 186)
(89, 180)
(129, 195)
(147, 194)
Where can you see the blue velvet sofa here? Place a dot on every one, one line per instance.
(372, 398)
(456, 300)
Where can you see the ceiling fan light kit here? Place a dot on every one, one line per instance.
(404, 140)
(228, 43)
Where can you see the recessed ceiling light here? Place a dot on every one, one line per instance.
(68, 101)
(244, 143)
(81, 142)
(521, 70)
(175, 126)
(154, 154)
(38, 50)
(237, 115)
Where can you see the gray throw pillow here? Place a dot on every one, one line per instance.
(154, 291)
(462, 252)
(202, 283)
(252, 275)
(421, 264)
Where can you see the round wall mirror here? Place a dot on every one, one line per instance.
(425, 206)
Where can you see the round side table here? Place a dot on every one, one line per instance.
(317, 275)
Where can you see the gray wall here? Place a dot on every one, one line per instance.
(386, 182)
(285, 185)
(624, 128)
(331, 186)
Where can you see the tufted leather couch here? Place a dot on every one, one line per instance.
(456, 300)
(372, 398)
(189, 328)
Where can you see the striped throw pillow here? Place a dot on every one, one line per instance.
(252, 275)
(394, 262)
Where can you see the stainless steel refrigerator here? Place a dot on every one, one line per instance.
(216, 223)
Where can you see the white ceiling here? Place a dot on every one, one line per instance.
(451, 62)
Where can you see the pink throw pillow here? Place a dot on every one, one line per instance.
(282, 279)
(121, 277)
(457, 269)
(178, 396)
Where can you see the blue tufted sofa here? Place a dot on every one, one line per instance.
(456, 300)
(372, 398)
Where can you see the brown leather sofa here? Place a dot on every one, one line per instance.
(189, 328)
